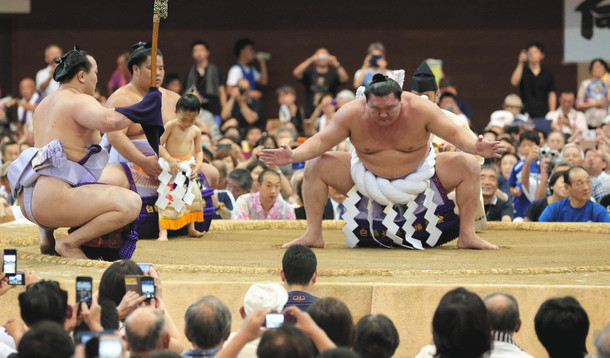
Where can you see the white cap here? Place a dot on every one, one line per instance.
(500, 119)
(271, 296)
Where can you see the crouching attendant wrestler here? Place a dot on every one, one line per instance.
(50, 179)
(392, 171)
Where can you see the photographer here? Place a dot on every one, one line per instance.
(241, 109)
(373, 63)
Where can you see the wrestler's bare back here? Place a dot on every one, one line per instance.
(130, 94)
(53, 119)
(390, 151)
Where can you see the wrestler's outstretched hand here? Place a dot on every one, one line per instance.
(279, 157)
(488, 149)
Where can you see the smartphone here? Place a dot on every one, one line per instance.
(17, 279)
(110, 346)
(145, 268)
(589, 134)
(323, 56)
(84, 290)
(9, 266)
(132, 283)
(373, 61)
(147, 287)
(274, 320)
(223, 146)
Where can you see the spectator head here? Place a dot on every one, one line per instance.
(344, 96)
(52, 52)
(256, 168)
(489, 181)
(578, 183)
(573, 154)
(174, 84)
(239, 182)
(460, 326)
(528, 141)
(541, 134)
(109, 317)
(503, 312)
(267, 141)
(562, 326)
(424, 83)
(333, 316)
(286, 94)
(566, 99)
(200, 51)
(513, 104)
(271, 296)
(112, 283)
(602, 343)
(46, 339)
(244, 47)
(27, 88)
(44, 301)
(299, 266)
(448, 101)
(381, 86)
(10, 151)
(286, 341)
(269, 186)
(598, 67)
(207, 323)
(376, 337)
(447, 85)
(285, 135)
(146, 331)
(508, 143)
(376, 49)
(535, 52)
(556, 140)
(322, 57)
(253, 135)
(594, 162)
(340, 352)
(557, 184)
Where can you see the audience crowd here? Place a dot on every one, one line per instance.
(279, 321)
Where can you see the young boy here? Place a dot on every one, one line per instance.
(525, 176)
(178, 141)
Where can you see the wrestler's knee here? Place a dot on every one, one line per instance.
(131, 205)
(469, 164)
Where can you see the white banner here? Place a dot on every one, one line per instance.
(586, 30)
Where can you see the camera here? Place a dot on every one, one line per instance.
(275, 320)
(545, 151)
(242, 91)
(17, 279)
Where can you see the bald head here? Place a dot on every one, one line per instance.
(503, 312)
(146, 331)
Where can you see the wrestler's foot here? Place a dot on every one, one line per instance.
(47, 242)
(309, 240)
(162, 235)
(473, 241)
(192, 232)
(65, 250)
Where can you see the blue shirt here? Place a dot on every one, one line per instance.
(208, 353)
(562, 211)
(301, 299)
(521, 202)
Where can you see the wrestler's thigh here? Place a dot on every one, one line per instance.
(114, 174)
(454, 167)
(56, 204)
(334, 169)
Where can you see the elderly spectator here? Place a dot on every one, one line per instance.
(574, 155)
(566, 118)
(504, 319)
(299, 273)
(239, 182)
(577, 207)
(596, 165)
(266, 204)
(556, 140)
(373, 63)
(558, 192)
(269, 296)
(207, 326)
(25, 110)
(460, 327)
(496, 209)
(9, 151)
(325, 76)
(45, 84)
(513, 104)
(562, 326)
(593, 95)
(146, 332)
(376, 337)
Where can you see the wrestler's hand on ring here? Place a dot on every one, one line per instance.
(279, 157)
(488, 149)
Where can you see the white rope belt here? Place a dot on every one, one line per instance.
(389, 192)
